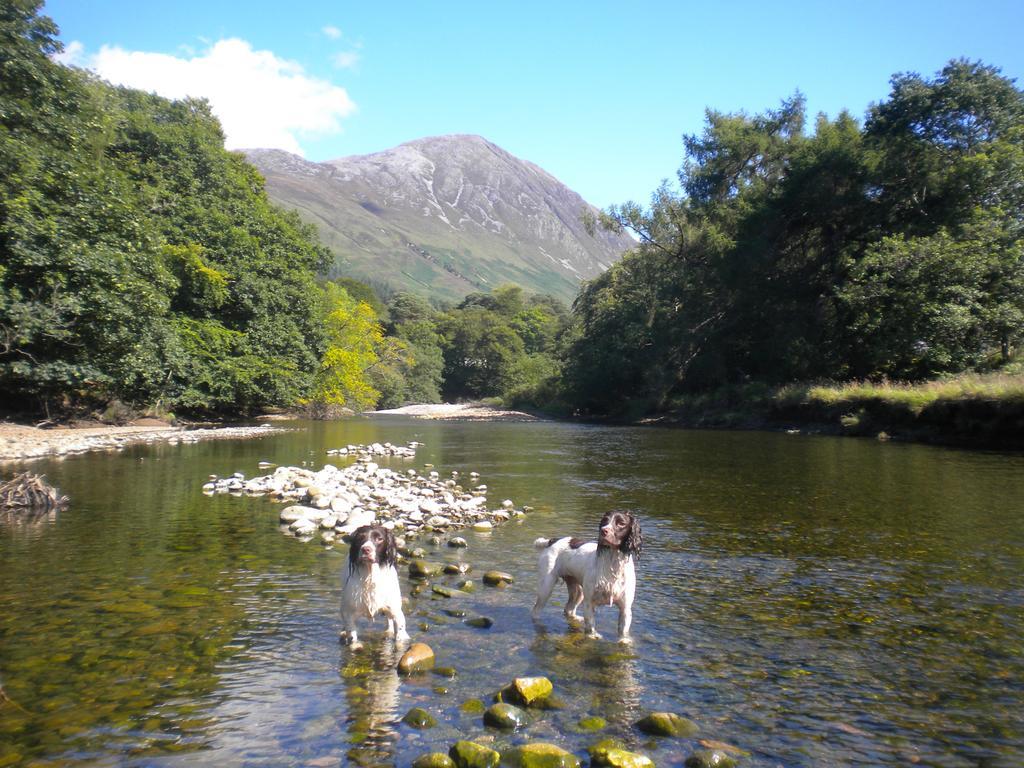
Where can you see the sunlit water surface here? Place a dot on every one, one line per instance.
(811, 600)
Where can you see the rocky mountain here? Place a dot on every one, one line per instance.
(443, 217)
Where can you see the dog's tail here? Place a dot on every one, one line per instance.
(543, 543)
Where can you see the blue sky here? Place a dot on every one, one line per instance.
(599, 93)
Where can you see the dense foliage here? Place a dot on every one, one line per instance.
(138, 259)
(503, 344)
(888, 250)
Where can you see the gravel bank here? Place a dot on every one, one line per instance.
(18, 442)
(464, 411)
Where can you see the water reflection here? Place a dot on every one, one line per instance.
(605, 670)
(372, 693)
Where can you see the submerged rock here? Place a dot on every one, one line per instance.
(667, 724)
(418, 658)
(479, 622)
(433, 760)
(423, 568)
(709, 758)
(612, 752)
(592, 723)
(540, 755)
(469, 754)
(497, 578)
(417, 717)
(443, 591)
(473, 707)
(505, 716)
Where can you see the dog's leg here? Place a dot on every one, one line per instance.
(588, 619)
(625, 619)
(349, 637)
(547, 585)
(348, 633)
(396, 625)
(574, 599)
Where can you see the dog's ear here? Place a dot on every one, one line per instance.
(355, 541)
(390, 558)
(633, 543)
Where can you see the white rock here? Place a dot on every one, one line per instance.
(304, 527)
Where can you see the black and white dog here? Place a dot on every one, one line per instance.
(595, 574)
(371, 586)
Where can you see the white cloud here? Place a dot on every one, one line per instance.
(262, 100)
(332, 32)
(71, 56)
(345, 59)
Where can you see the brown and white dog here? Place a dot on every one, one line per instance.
(595, 574)
(371, 587)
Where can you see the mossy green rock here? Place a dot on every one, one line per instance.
(420, 569)
(437, 589)
(505, 716)
(528, 691)
(592, 723)
(480, 622)
(612, 752)
(667, 724)
(709, 758)
(469, 754)
(433, 760)
(497, 578)
(473, 707)
(417, 717)
(540, 755)
(457, 568)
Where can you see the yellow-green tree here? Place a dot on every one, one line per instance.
(353, 338)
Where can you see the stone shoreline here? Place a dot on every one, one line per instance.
(19, 442)
(461, 411)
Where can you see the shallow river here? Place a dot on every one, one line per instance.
(810, 600)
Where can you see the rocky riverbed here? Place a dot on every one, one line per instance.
(335, 501)
(24, 442)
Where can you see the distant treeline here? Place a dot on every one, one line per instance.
(142, 267)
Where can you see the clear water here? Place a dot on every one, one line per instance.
(813, 601)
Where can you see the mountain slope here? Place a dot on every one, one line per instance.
(443, 217)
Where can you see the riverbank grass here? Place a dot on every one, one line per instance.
(976, 409)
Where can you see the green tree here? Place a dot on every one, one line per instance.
(353, 339)
(937, 304)
(480, 351)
